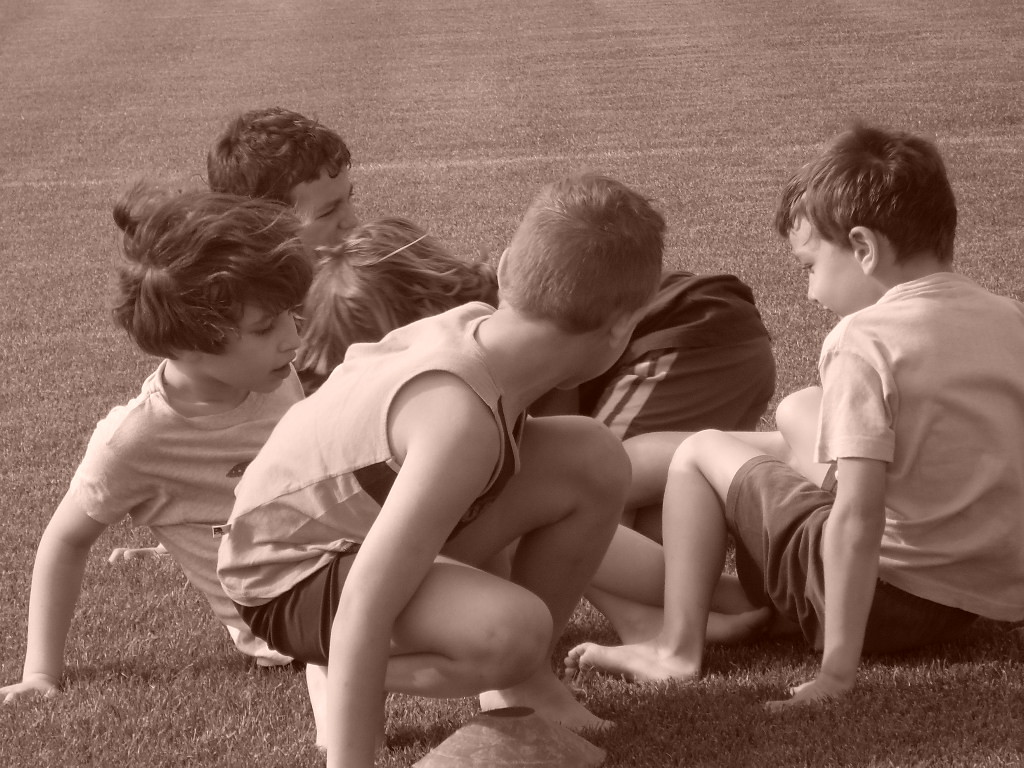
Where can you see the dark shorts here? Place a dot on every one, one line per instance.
(685, 390)
(300, 620)
(777, 518)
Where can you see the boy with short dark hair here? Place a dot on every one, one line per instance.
(922, 410)
(281, 155)
(208, 283)
(355, 529)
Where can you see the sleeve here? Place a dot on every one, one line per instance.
(108, 485)
(857, 408)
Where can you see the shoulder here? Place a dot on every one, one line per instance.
(129, 427)
(440, 407)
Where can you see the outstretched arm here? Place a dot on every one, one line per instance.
(448, 445)
(850, 550)
(56, 584)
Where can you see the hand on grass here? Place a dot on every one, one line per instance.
(816, 692)
(41, 685)
(140, 553)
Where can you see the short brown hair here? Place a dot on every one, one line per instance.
(588, 247)
(890, 181)
(267, 152)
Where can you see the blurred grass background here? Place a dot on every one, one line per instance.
(456, 112)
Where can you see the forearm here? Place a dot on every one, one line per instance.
(850, 552)
(355, 677)
(56, 585)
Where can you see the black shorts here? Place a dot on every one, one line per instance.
(301, 618)
(777, 518)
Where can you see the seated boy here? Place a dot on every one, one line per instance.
(208, 283)
(280, 155)
(356, 529)
(920, 530)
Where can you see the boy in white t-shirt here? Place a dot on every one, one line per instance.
(921, 528)
(208, 282)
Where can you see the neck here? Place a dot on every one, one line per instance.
(193, 394)
(527, 357)
(913, 268)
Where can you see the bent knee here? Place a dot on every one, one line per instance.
(694, 448)
(511, 644)
(797, 409)
(597, 458)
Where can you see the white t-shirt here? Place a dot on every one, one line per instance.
(930, 379)
(177, 475)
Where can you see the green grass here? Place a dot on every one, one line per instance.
(457, 111)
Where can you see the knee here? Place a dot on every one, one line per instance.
(598, 462)
(798, 409)
(693, 448)
(514, 641)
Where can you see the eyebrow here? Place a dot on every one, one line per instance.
(262, 319)
(331, 204)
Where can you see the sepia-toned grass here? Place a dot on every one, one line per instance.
(456, 112)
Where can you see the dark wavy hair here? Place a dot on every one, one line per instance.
(267, 152)
(892, 182)
(193, 260)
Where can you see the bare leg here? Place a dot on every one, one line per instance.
(463, 631)
(797, 418)
(635, 622)
(651, 455)
(695, 541)
(564, 506)
(629, 589)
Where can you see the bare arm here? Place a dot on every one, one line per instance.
(851, 545)
(448, 444)
(56, 584)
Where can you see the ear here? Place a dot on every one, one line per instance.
(866, 245)
(622, 327)
(500, 270)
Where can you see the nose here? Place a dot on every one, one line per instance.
(289, 335)
(348, 219)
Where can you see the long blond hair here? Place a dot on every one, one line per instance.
(385, 274)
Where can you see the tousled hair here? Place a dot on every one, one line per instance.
(193, 260)
(587, 248)
(892, 182)
(385, 274)
(267, 152)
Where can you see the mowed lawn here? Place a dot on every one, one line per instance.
(457, 111)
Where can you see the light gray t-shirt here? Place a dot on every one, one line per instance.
(177, 475)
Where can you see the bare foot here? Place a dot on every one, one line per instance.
(545, 695)
(644, 661)
(635, 622)
(120, 554)
(734, 628)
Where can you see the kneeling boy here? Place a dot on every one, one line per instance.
(356, 528)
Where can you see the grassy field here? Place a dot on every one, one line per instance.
(457, 111)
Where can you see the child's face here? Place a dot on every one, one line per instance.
(325, 207)
(257, 357)
(835, 279)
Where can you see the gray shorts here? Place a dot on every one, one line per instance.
(777, 518)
